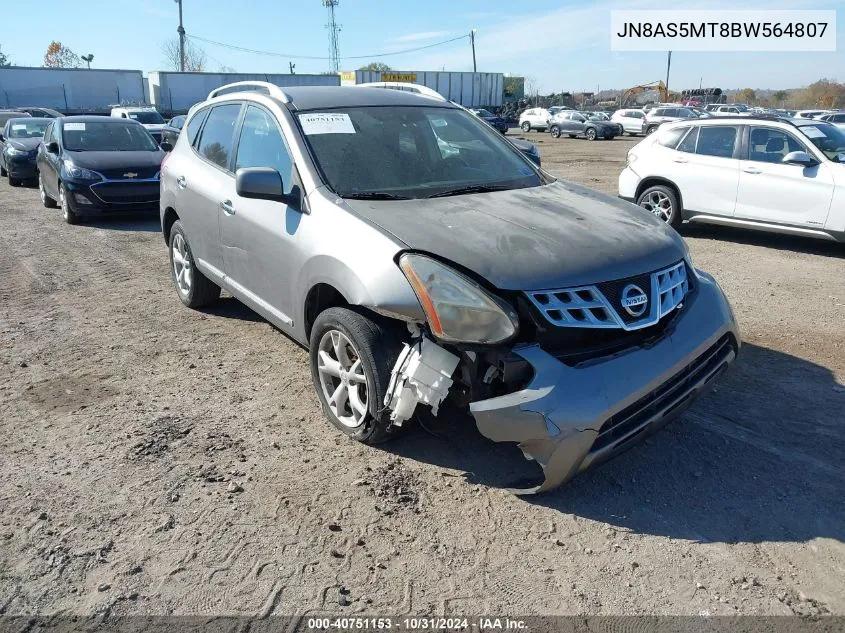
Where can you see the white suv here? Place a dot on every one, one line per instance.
(630, 120)
(147, 116)
(534, 119)
(780, 175)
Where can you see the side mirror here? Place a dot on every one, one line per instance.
(53, 148)
(800, 158)
(264, 183)
(167, 146)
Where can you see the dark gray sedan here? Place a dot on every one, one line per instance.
(576, 124)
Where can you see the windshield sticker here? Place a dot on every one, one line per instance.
(18, 127)
(439, 122)
(811, 131)
(326, 123)
(74, 127)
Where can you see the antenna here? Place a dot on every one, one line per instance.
(334, 29)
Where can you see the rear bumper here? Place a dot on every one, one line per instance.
(570, 418)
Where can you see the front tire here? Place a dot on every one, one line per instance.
(526, 126)
(650, 129)
(14, 182)
(662, 201)
(590, 134)
(555, 131)
(194, 289)
(352, 356)
(46, 200)
(68, 214)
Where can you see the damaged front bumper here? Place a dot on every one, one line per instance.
(570, 418)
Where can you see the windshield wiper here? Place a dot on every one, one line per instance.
(470, 189)
(373, 195)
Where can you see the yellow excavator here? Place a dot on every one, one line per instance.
(631, 93)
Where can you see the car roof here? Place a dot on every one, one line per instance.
(319, 97)
(30, 118)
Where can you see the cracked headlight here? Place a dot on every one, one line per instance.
(75, 171)
(458, 309)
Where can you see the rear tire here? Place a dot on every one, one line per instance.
(194, 289)
(14, 182)
(650, 129)
(68, 214)
(363, 340)
(46, 200)
(526, 126)
(663, 202)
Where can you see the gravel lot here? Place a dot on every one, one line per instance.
(157, 460)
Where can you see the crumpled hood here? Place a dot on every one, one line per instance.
(554, 236)
(24, 144)
(99, 161)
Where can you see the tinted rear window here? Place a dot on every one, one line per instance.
(716, 141)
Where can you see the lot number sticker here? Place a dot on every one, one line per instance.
(19, 127)
(78, 127)
(326, 123)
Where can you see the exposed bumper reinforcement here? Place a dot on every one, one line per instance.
(570, 418)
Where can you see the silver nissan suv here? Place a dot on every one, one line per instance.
(424, 260)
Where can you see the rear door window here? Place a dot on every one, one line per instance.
(218, 134)
(716, 141)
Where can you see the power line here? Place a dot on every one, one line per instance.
(289, 56)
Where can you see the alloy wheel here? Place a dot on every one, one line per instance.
(182, 265)
(342, 378)
(659, 204)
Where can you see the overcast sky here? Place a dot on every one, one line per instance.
(564, 45)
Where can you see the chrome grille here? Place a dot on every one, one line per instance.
(598, 306)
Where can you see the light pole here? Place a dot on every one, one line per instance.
(88, 59)
(181, 32)
(472, 42)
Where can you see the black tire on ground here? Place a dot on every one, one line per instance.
(202, 291)
(526, 126)
(650, 129)
(555, 131)
(46, 200)
(69, 215)
(378, 346)
(590, 134)
(14, 182)
(655, 196)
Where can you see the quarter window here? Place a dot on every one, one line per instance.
(261, 145)
(195, 124)
(716, 141)
(688, 144)
(669, 138)
(218, 134)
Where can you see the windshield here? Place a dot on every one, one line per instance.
(828, 138)
(146, 117)
(27, 128)
(106, 136)
(412, 152)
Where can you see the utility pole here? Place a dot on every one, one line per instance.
(181, 32)
(668, 66)
(472, 42)
(292, 66)
(334, 29)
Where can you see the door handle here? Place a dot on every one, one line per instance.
(227, 207)
(181, 182)
(751, 170)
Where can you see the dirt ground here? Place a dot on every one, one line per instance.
(157, 460)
